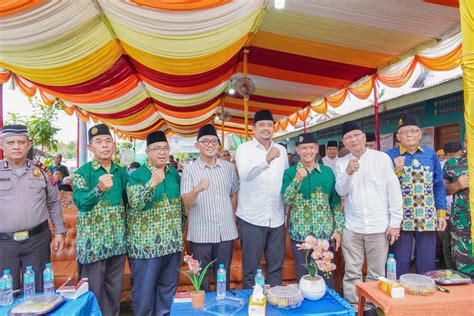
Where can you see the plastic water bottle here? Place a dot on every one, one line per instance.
(391, 268)
(29, 282)
(6, 288)
(221, 282)
(260, 278)
(48, 280)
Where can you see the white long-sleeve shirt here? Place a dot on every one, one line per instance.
(373, 199)
(260, 202)
(331, 163)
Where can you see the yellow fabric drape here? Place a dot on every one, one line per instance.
(185, 66)
(78, 72)
(467, 29)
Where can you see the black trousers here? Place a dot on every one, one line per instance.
(105, 281)
(17, 255)
(300, 259)
(207, 252)
(154, 282)
(259, 240)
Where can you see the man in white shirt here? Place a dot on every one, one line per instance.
(331, 154)
(372, 208)
(261, 217)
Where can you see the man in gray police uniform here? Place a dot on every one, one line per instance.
(27, 199)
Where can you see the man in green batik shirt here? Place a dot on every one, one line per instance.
(456, 181)
(99, 194)
(315, 207)
(154, 229)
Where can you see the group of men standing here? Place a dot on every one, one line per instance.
(390, 199)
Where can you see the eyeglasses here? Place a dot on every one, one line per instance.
(206, 142)
(409, 131)
(159, 149)
(354, 136)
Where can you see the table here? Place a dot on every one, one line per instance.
(459, 301)
(86, 305)
(330, 304)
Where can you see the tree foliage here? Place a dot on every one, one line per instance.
(40, 125)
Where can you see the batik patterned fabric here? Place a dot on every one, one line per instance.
(101, 217)
(421, 181)
(315, 206)
(156, 215)
(460, 223)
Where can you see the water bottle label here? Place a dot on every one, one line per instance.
(390, 267)
(221, 278)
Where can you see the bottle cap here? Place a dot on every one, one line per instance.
(29, 268)
(6, 271)
(259, 270)
(391, 255)
(221, 266)
(48, 265)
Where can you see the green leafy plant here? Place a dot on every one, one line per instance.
(195, 273)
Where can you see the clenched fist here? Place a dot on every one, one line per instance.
(273, 153)
(106, 182)
(463, 182)
(202, 185)
(352, 166)
(399, 163)
(157, 177)
(301, 173)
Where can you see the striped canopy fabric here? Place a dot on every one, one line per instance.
(141, 65)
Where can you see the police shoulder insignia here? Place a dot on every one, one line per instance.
(37, 172)
(94, 130)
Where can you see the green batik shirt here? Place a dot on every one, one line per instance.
(156, 216)
(101, 218)
(315, 206)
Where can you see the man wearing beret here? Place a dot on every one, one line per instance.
(456, 181)
(332, 151)
(424, 197)
(261, 216)
(371, 140)
(154, 229)
(315, 207)
(209, 188)
(100, 196)
(372, 208)
(28, 198)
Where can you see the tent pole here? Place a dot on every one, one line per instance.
(222, 125)
(1, 114)
(376, 109)
(246, 98)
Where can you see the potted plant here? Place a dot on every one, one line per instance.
(318, 257)
(196, 275)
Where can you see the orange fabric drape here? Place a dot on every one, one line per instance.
(398, 78)
(8, 7)
(364, 90)
(320, 108)
(447, 62)
(337, 99)
(180, 5)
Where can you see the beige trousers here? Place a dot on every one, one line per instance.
(354, 245)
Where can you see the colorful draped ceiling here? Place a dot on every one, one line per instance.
(142, 65)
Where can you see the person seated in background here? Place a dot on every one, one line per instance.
(58, 166)
(226, 155)
(371, 140)
(66, 185)
(331, 154)
(133, 166)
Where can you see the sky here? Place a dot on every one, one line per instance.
(16, 102)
